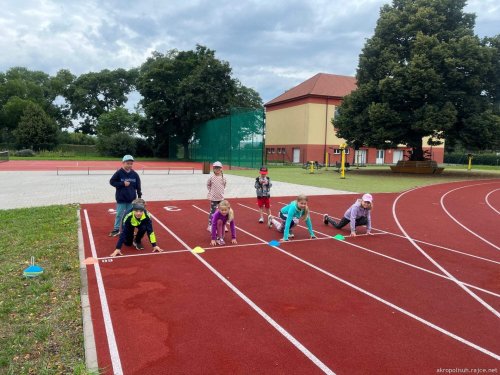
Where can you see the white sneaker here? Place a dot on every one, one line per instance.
(220, 242)
(290, 234)
(269, 221)
(261, 220)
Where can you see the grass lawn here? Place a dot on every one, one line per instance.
(40, 318)
(372, 179)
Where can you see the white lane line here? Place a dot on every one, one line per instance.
(380, 299)
(419, 241)
(488, 202)
(389, 257)
(108, 324)
(458, 222)
(458, 282)
(249, 302)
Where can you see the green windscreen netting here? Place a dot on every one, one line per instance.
(235, 140)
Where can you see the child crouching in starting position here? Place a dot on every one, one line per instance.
(220, 218)
(356, 215)
(140, 220)
(290, 216)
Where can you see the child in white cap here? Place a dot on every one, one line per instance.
(216, 184)
(128, 187)
(358, 214)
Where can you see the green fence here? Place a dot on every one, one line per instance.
(235, 140)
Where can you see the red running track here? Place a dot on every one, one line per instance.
(370, 304)
(52, 165)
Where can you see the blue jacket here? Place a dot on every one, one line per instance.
(126, 194)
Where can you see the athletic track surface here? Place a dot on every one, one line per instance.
(420, 295)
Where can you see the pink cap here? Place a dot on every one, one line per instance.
(367, 198)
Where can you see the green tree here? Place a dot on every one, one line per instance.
(34, 86)
(119, 120)
(36, 130)
(10, 114)
(117, 144)
(92, 94)
(180, 91)
(423, 73)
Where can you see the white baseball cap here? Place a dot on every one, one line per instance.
(217, 164)
(128, 158)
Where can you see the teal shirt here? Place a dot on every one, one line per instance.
(291, 211)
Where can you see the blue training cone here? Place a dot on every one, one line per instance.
(273, 243)
(33, 270)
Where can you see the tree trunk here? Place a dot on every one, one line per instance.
(417, 153)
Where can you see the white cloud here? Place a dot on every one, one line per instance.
(271, 45)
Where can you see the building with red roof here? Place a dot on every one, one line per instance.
(299, 125)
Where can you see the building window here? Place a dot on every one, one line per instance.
(279, 150)
(268, 150)
(337, 151)
(272, 151)
(283, 151)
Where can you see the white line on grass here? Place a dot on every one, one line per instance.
(380, 299)
(489, 204)
(458, 282)
(108, 324)
(419, 241)
(458, 222)
(249, 302)
(389, 257)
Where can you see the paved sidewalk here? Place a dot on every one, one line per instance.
(29, 189)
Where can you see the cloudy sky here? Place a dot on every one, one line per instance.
(271, 45)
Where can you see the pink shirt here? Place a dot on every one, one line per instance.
(216, 185)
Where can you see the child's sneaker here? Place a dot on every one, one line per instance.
(269, 221)
(261, 220)
(290, 234)
(325, 219)
(138, 245)
(114, 233)
(220, 242)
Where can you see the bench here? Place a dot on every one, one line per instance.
(418, 167)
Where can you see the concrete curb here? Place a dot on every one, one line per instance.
(88, 328)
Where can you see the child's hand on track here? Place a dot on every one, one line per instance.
(213, 243)
(157, 249)
(234, 242)
(353, 234)
(115, 253)
(369, 233)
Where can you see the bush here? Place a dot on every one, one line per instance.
(116, 145)
(479, 159)
(25, 152)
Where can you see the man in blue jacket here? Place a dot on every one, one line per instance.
(128, 187)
